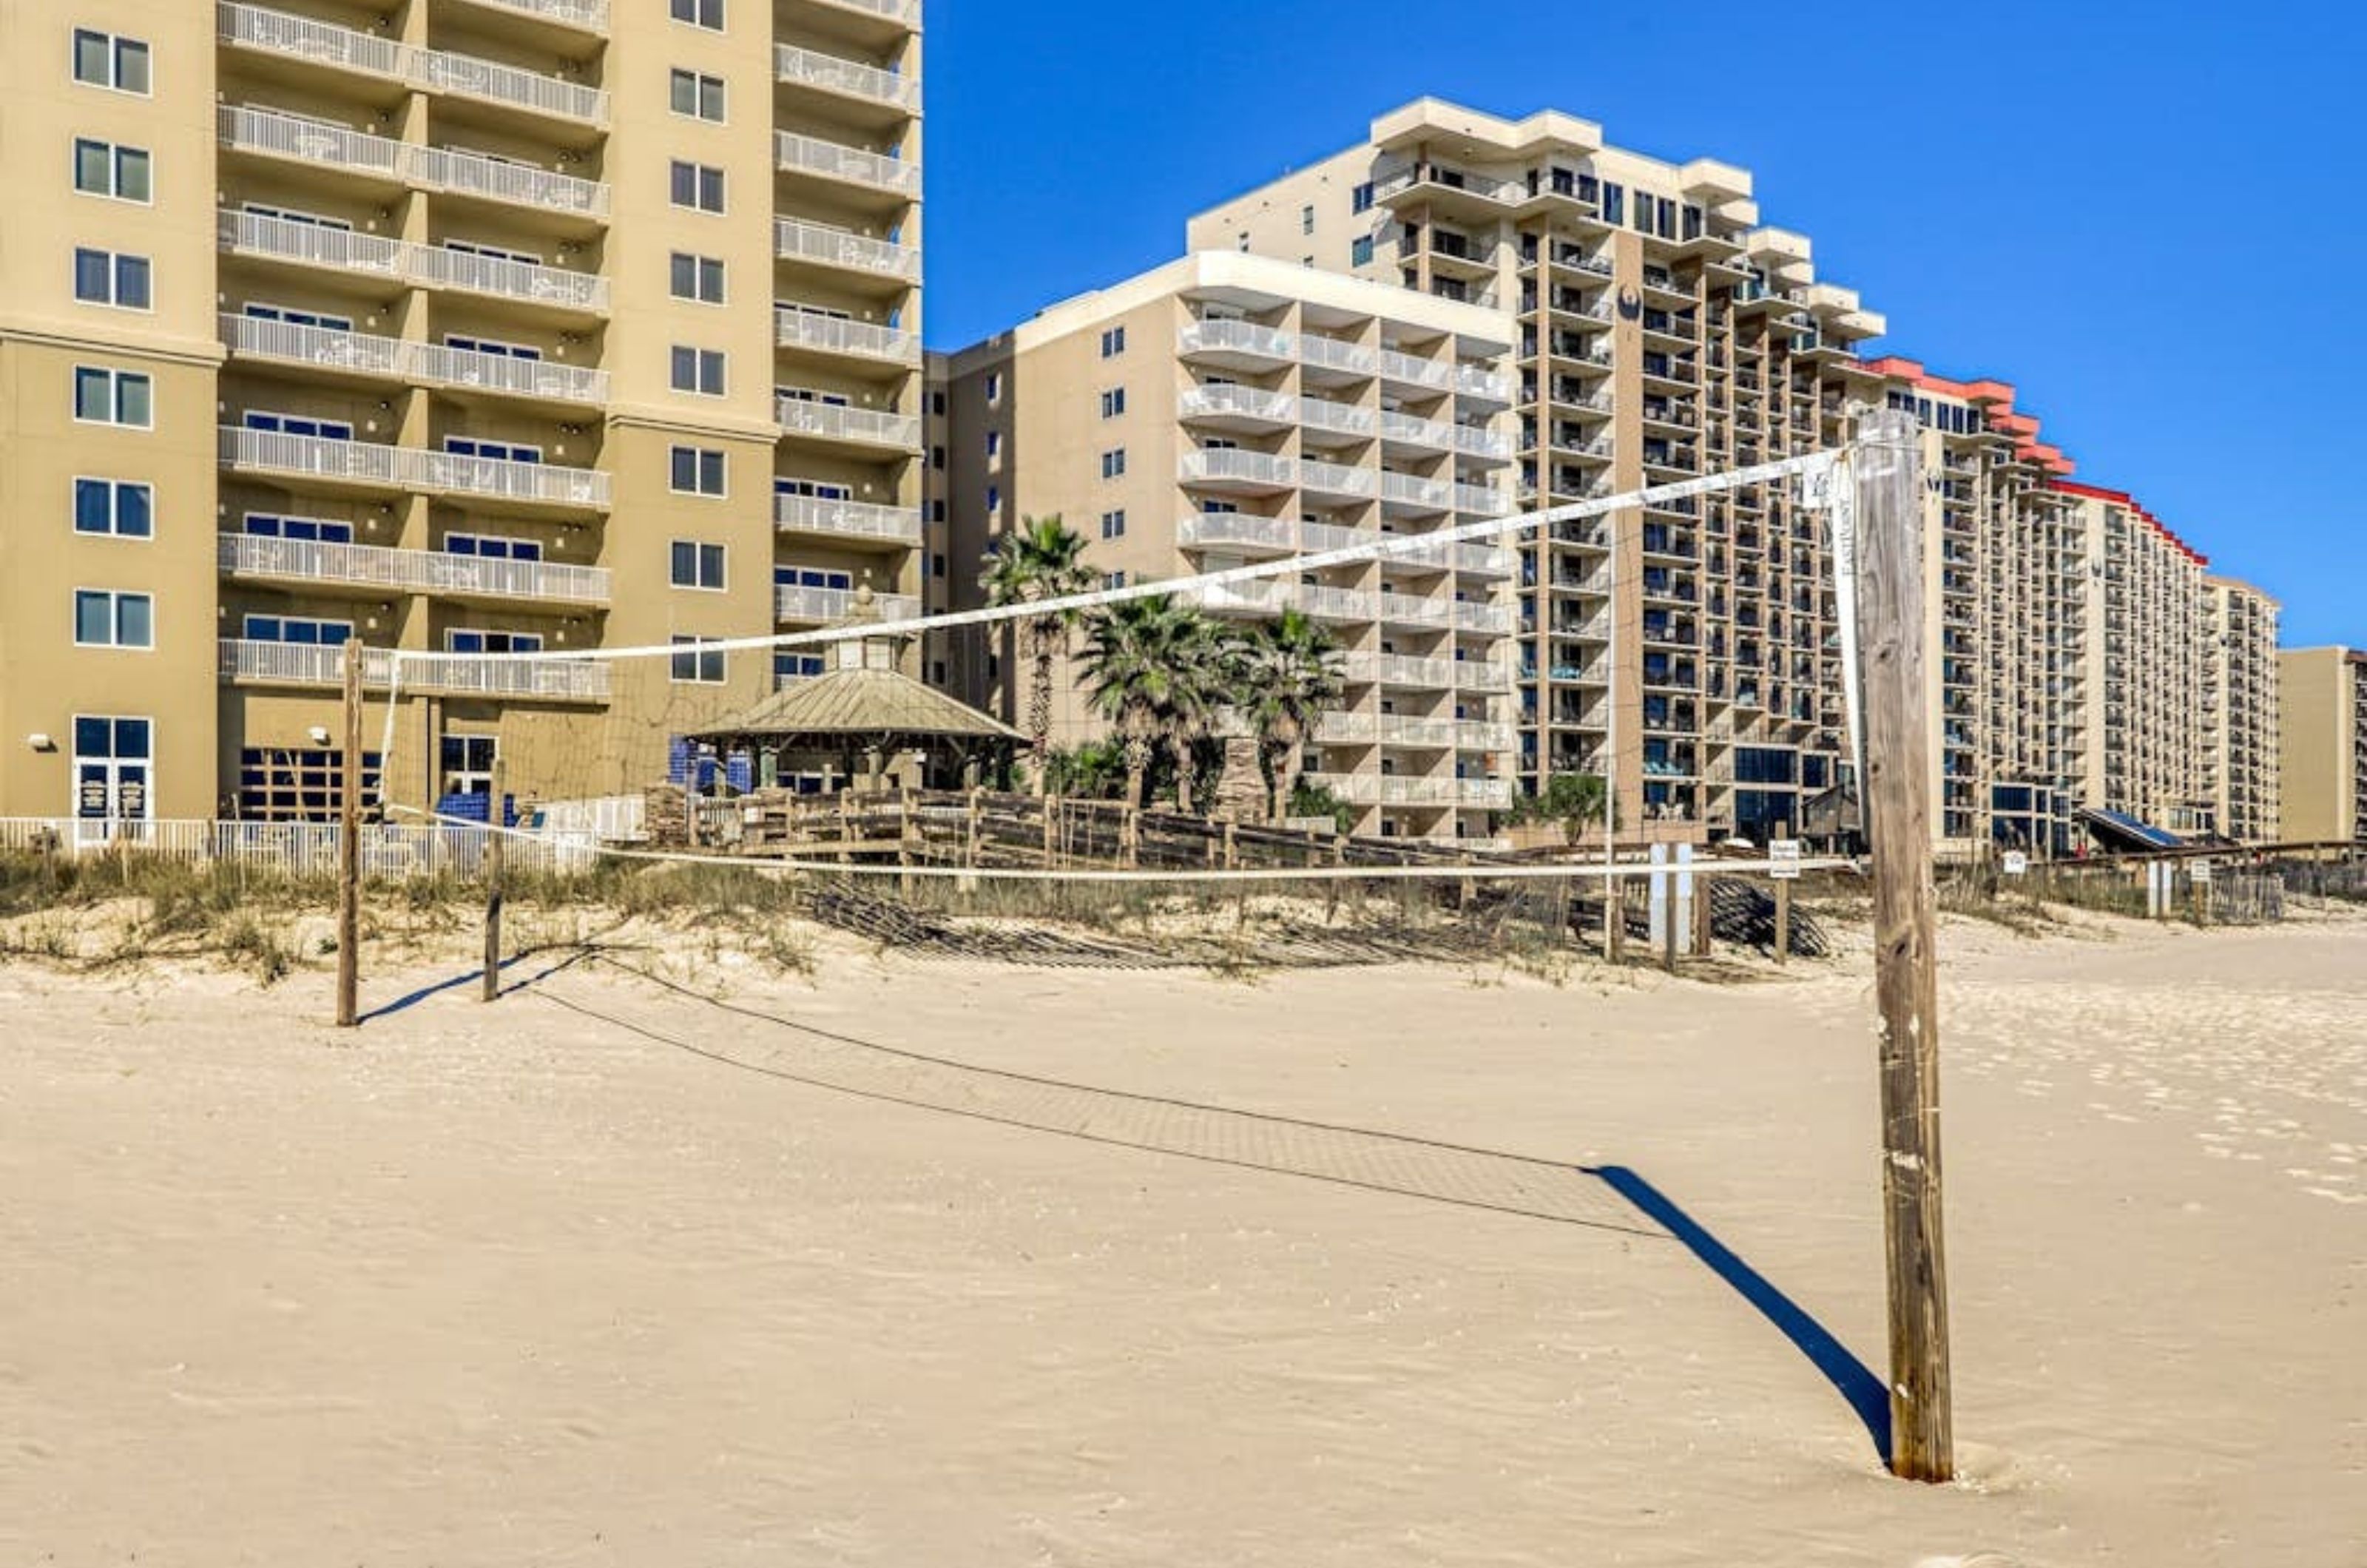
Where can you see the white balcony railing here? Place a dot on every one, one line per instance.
(1434, 375)
(1226, 464)
(425, 361)
(839, 422)
(421, 571)
(846, 519)
(290, 136)
(427, 266)
(429, 70)
(831, 604)
(305, 664)
(1482, 499)
(1485, 619)
(810, 68)
(440, 267)
(834, 161)
(1343, 419)
(1392, 789)
(795, 326)
(1338, 479)
(1236, 530)
(1222, 399)
(592, 15)
(1407, 430)
(409, 468)
(1411, 490)
(797, 238)
(905, 11)
(1225, 336)
(1330, 353)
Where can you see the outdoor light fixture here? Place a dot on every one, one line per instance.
(319, 734)
(40, 742)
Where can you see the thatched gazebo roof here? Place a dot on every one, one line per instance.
(858, 707)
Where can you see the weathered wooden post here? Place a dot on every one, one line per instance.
(349, 847)
(1898, 831)
(1782, 880)
(496, 837)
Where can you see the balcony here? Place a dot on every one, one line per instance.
(850, 521)
(821, 420)
(1237, 531)
(904, 13)
(1336, 480)
(795, 154)
(1227, 467)
(430, 364)
(424, 266)
(425, 70)
(796, 326)
(1476, 441)
(1329, 417)
(1411, 492)
(270, 134)
(374, 567)
(831, 605)
(845, 78)
(1487, 620)
(1232, 343)
(819, 244)
(244, 662)
(374, 466)
(586, 15)
(1233, 407)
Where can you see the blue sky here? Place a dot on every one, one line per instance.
(2151, 218)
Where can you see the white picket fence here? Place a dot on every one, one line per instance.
(389, 852)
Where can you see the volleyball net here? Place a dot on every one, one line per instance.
(836, 750)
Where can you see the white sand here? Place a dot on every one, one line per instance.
(518, 1286)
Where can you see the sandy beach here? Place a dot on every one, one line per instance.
(949, 1263)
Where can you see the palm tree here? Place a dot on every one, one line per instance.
(1155, 671)
(1291, 672)
(1043, 558)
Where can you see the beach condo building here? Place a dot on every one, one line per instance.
(2322, 744)
(1229, 408)
(1661, 332)
(450, 326)
(2240, 710)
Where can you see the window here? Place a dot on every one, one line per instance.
(104, 618)
(102, 168)
(1113, 342)
(1615, 204)
(993, 445)
(700, 665)
(937, 565)
(1114, 463)
(699, 186)
(469, 763)
(492, 547)
(698, 370)
(106, 277)
(1113, 402)
(320, 530)
(694, 565)
(298, 425)
(1360, 253)
(463, 640)
(697, 96)
(696, 277)
(103, 60)
(298, 317)
(708, 14)
(112, 760)
(491, 348)
(788, 666)
(696, 470)
(937, 458)
(994, 386)
(1241, 243)
(937, 404)
(117, 507)
(1307, 219)
(498, 451)
(112, 397)
(281, 784)
(297, 629)
(993, 498)
(1361, 201)
(1113, 525)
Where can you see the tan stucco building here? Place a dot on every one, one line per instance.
(1226, 409)
(2323, 744)
(444, 325)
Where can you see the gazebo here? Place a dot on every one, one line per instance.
(864, 724)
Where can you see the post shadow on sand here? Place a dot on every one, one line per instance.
(404, 1003)
(1864, 1392)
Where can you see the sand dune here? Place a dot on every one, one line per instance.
(1404, 1266)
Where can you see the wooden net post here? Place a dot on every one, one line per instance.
(349, 847)
(496, 841)
(1898, 790)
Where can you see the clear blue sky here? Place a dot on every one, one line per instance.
(2148, 215)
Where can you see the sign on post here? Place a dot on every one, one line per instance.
(2017, 864)
(2201, 871)
(1784, 859)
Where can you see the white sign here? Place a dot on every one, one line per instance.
(1783, 860)
(2016, 863)
(2201, 871)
